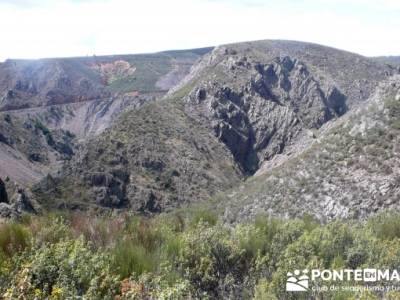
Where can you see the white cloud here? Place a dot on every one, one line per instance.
(32, 29)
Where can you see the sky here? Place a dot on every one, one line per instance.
(59, 28)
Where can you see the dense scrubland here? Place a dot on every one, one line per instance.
(191, 256)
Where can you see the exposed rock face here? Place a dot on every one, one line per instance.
(241, 106)
(3, 192)
(349, 171)
(21, 201)
(87, 118)
(7, 211)
(258, 117)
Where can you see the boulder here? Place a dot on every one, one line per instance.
(7, 211)
(21, 201)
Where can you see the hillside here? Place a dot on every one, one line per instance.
(85, 95)
(29, 150)
(241, 106)
(33, 83)
(350, 169)
(81, 96)
(391, 60)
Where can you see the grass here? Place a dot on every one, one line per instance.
(14, 238)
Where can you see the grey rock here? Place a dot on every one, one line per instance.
(7, 211)
(21, 201)
(259, 117)
(240, 107)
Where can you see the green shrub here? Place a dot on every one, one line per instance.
(46, 132)
(50, 229)
(212, 262)
(139, 250)
(65, 269)
(169, 257)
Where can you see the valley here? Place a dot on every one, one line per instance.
(197, 174)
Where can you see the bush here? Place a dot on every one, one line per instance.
(170, 257)
(67, 268)
(213, 263)
(263, 291)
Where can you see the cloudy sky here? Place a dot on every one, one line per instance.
(47, 28)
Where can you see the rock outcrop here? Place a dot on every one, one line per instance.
(19, 202)
(240, 107)
(153, 159)
(276, 100)
(349, 171)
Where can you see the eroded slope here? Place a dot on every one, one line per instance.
(350, 171)
(241, 106)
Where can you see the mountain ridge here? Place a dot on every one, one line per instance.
(245, 101)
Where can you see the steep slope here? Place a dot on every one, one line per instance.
(154, 158)
(26, 83)
(351, 170)
(261, 97)
(82, 96)
(85, 118)
(28, 149)
(241, 106)
(86, 95)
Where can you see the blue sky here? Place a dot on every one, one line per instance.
(34, 29)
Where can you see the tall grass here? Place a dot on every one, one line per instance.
(13, 238)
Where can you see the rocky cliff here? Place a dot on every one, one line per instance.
(350, 169)
(240, 107)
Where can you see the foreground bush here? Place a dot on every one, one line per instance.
(66, 269)
(175, 257)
